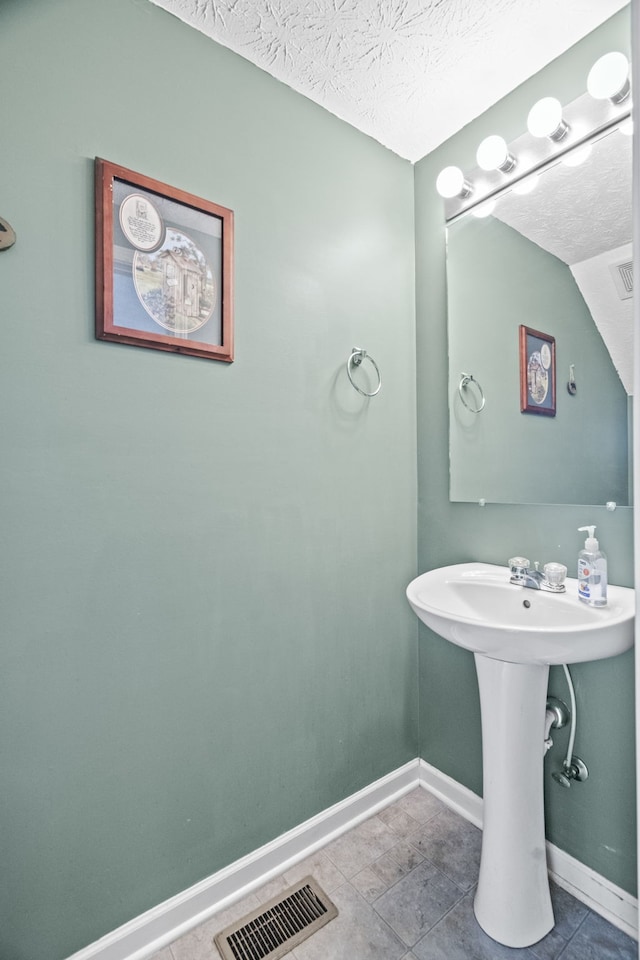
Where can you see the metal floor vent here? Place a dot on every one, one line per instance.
(279, 925)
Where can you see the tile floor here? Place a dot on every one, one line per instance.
(403, 882)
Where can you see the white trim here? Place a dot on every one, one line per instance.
(151, 931)
(454, 794)
(147, 934)
(595, 891)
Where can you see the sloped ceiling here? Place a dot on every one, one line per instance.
(408, 73)
(582, 215)
(578, 212)
(613, 316)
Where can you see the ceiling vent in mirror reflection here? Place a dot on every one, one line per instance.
(622, 274)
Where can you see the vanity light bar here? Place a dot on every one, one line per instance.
(551, 131)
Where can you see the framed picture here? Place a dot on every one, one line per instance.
(537, 372)
(164, 266)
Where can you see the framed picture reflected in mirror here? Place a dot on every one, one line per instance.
(537, 372)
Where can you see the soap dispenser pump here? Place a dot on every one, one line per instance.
(592, 571)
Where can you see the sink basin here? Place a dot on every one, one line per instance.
(474, 606)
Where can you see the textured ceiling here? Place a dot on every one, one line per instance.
(578, 212)
(582, 215)
(409, 73)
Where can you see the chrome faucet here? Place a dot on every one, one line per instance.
(551, 578)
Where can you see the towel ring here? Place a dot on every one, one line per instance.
(356, 358)
(465, 380)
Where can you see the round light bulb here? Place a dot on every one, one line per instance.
(451, 183)
(609, 78)
(526, 186)
(575, 157)
(484, 209)
(545, 119)
(493, 154)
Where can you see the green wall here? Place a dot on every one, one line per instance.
(594, 821)
(205, 636)
(497, 279)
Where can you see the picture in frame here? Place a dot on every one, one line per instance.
(164, 266)
(537, 372)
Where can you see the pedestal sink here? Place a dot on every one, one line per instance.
(515, 633)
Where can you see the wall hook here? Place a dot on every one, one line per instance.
(7, 234)
(571, 385)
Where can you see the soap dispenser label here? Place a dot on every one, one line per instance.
(589, 581)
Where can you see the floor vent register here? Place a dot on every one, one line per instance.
(279, 925)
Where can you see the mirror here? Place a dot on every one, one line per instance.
(556, 259)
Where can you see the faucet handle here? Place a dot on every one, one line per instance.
(555, 574)
(518, 565)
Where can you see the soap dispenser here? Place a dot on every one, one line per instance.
(592, 571)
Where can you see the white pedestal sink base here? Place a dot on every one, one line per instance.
(513, 904)
(476, 607)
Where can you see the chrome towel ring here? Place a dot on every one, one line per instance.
(465, 380)
(356, 358)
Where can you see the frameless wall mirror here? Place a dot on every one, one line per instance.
(551, 254)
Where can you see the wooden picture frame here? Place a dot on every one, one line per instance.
(537, 372)
(164, 266)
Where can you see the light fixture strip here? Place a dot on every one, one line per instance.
(457, 206)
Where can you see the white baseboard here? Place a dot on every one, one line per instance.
(147, 934)
(151, 931)
(595, 891)
(459, 798)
